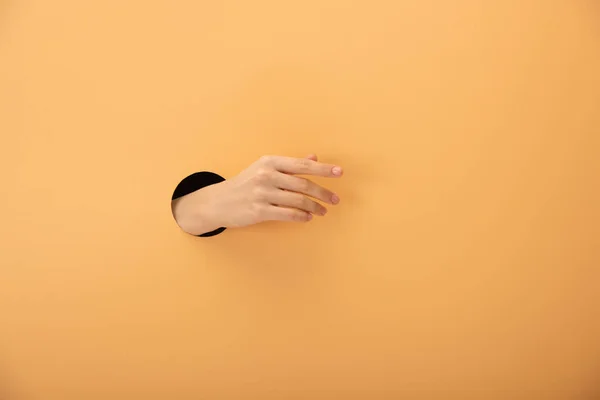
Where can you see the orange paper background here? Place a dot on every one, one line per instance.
(463, 261)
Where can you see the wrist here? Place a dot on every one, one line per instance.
(199, 212)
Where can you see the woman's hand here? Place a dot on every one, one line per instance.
(268, 190)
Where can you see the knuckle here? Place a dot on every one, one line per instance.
(303, 163)
(263, 175)
(303, 184)
(266, 160)
(259, 192)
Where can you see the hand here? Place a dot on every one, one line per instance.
(267, 190)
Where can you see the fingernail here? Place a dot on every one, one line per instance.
(323, 211)
(309, 217)
(335, 199)
(337, 170)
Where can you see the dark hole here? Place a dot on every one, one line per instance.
(197, 181)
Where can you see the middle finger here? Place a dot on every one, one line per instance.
(305, 186)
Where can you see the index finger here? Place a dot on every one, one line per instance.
(305, 166)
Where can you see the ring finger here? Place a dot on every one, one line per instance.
(296, 200)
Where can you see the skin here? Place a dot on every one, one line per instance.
(268, 190)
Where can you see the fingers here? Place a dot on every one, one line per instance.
(305, 166)
(305, 186)
(275, 213)
(296, 200)
(287, 199)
